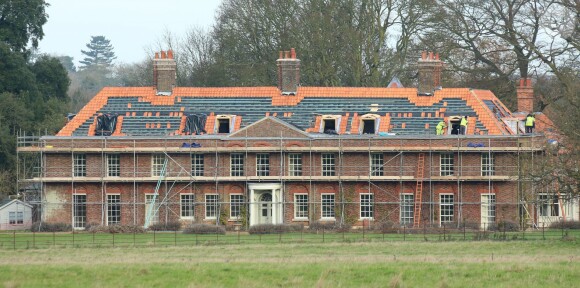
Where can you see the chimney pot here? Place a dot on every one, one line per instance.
(156, 55)
(163, 55)
(170, 54)
(287, 54)
(424, 55)
(431, 56)
(281, 55)
(293, 53)
(437, 56)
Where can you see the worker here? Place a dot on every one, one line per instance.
(530, 123)
(463, 125)
(440, 127)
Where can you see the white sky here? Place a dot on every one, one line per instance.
(131, 25)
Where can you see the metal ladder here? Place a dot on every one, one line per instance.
(419, 190)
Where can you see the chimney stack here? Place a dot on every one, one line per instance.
(288, 72)
(164, 72)
(525, 95)
(430, 68)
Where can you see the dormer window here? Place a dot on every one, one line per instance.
(330, 124)
(224, 124)
(369, 124)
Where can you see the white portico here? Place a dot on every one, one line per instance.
(265, 203)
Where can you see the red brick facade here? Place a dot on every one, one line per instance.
(352, 158)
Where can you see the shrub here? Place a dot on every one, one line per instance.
(115, 229)
(329, 226)
(469, 225)
(204, 229)
(565, 225)
(275, 228)
(383, 227)
(50, 227)
(508, 226)
(168, 226)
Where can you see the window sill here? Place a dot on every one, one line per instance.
(328, 218)
(301, 219)
(366, 218)
(210, 218)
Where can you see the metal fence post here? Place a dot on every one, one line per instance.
(14, 238)
(113, 240)
(154, 240)
(73, 238)
(175, 237)
(53, 239)
(323, 234)
(404, 233)
(33, 240)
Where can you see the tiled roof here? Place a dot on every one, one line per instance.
(402, 110)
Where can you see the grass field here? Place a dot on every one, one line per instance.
(546, 263)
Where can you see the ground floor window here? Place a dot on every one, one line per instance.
(236, 201)
(113, 209)
(366, 206)
(487, 210)
(549, 205)
(187, 201)
(211, 206)
(446, 208)
(327, 206)
(300, 206)
(151, 208)
(79, 210)
(16, 218)
(407, 213)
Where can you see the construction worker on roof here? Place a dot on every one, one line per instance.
(463, 125)
(440, 127)
(530, 123)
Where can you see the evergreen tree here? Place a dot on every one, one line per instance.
(100, 54)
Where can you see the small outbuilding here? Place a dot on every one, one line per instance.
(15, 215)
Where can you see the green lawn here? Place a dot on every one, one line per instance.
(537, 263)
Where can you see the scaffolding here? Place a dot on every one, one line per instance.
(411, 166)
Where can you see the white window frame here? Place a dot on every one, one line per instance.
(157, 161)
(295, 164)
(446, 162)
(236, 204)
(327, 206)
(187, 206)
(211, 203)
(79, 165)
(237, 164)
(301, 206)
(446, 208)
(548, 205)
(407, 208)
(487, 164)
(79, 219)
(113, 165)
(148, 200)
(197, 165)
(488, 209)
(114, 206)
(366, 206)
(328, 163)
(262, 164)
(16, 217)
(377, 164)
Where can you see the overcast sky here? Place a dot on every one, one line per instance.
(131, 25)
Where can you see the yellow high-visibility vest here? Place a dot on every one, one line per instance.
(530, 121)
(441, 125)
(463, 122)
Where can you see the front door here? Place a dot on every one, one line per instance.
(266, 208)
